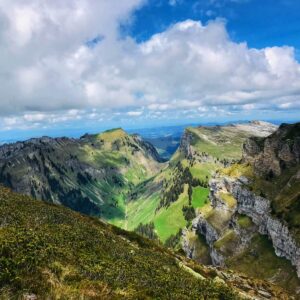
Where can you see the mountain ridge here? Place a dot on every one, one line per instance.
(79, 172)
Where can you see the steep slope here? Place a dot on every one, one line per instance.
(92, 174)
(181, 188)
(50, 252)
(250, 224)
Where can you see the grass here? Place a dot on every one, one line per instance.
(92, 174)
(112, 135)
(199, 197)
(169, 220)
(219, 142)
(238, 170)
(219, 219)
(141, 211)
(244, 221)
(227, 238)
(55, 253)
(229, 200)
(203, 171)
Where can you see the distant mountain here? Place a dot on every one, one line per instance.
(92, 174)
(50, 252)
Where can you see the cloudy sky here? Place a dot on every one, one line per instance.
(137, 63)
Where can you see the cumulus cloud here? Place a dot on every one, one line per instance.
(55, 66)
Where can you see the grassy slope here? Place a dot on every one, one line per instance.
(169, 220)
(114, 161)
(200, 196)
(55, 253)
(209, 140)
(142, 211)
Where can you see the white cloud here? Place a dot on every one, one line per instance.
(134, 113)
(49, 74)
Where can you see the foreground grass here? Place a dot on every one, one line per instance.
(55, 253)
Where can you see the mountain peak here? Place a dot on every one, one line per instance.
(112, 134)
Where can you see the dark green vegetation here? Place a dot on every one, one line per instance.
(55, 253)
(147, 230)
(272, 166)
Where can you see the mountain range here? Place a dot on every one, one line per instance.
(227, 199)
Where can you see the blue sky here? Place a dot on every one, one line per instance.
(260, 23)
(76, 66)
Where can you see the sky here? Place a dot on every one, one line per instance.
(85, 64)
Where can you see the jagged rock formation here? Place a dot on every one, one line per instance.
(259, 210)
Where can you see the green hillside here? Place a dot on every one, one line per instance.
(52, 252)
(92, 175)
(203, 151)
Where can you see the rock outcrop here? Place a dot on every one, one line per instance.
(269, 156)
(259, 210)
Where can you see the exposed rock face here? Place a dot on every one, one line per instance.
(185, 144)
(259, 210)
(148, 148)
(202, 226)
(235, 222)
(271, 155)
(186, 247)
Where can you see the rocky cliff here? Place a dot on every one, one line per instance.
(270, 156)
(256, 198)
(259, 210)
